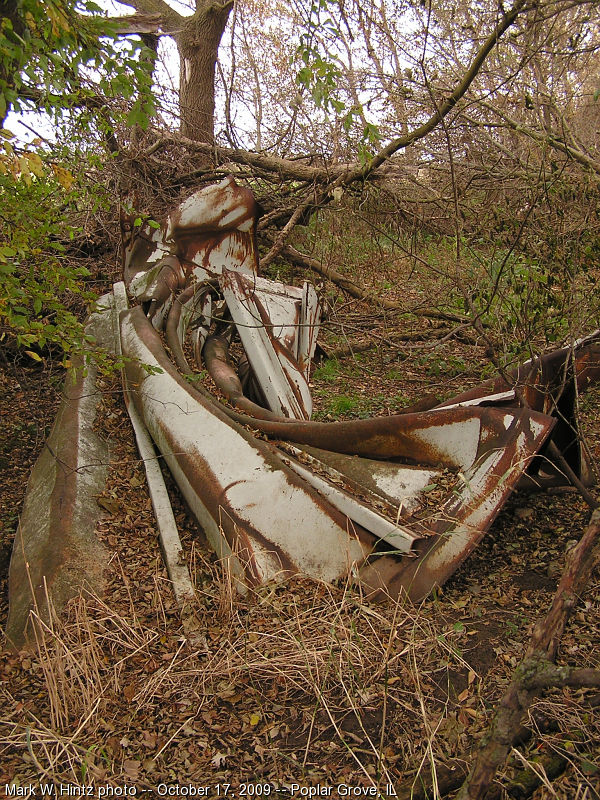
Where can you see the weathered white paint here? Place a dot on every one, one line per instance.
(536, 427)
(488, 399)
(60, 512)
(212, 261)
(482, 491)
(405, 484)
(310, 315)
(155, 235)
(213, 206)
(283, 513)
(170, 542)
(398, 536)
(458, 441)
(275, 373)
(233, 216)
(144, 283)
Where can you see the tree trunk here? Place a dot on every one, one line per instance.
(10, 11)
(198, 45)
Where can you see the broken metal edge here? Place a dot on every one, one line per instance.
(168, 534)
(550, 384)
(250, 504)
(466, 516)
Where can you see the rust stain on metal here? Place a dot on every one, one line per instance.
(346, 497)
(548, 384)
(223, 471)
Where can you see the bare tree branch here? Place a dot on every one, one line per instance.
(349, 173)
(138, 23)
(157, 8)
(551, 139)
(553, 677)
(535, 671)
(284, 233)
(285, 168)
(449, 103)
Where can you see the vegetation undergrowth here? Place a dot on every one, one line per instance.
(444, 158)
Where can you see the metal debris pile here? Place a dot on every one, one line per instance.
(398, 502)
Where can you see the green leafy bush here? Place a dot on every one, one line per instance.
(39, 287)
(52, 52)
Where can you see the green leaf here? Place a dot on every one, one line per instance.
(304, 77)
(589, 768)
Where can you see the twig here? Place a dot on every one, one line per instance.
(535, 671)
(561, 461)
(285, 232)
(355, 290)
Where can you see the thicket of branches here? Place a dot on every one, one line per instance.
(475, 123)
(469, 125)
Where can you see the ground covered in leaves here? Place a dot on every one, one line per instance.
(297, 683)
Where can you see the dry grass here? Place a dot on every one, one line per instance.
(297, 682)
(303, 682)
(290, 662)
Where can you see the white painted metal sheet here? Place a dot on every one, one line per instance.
(262, 498)
(395, 534)
(282, 382)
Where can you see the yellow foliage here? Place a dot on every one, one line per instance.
(63, 176)
(36, 164)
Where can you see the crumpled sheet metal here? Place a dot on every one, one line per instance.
(550, 384)
(211, 230)
(56, 551)
(254, 505)
(270, 340)
(327, 499)
(249, 503)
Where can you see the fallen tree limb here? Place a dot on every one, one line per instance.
(330, 178)
(345, 174)
(536, 668)
(286, 169)
(553, 677)
(307, 262)
(450, 776)
(362, 345)
(526, 781)
(439, 334)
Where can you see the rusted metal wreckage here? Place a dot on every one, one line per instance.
(278, 493)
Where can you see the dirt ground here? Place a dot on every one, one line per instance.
(298, 683)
